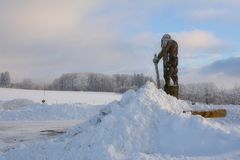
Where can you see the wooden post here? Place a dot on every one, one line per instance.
(172, 90)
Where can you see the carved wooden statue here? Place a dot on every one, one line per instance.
(169, 54)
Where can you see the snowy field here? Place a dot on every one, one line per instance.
(23, 116)
(143, 125)
(58, 97)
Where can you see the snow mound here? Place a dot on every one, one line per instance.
(147, 124)
(15, 104)
(39, 112)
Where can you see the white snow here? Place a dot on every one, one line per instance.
(58, 97)
(23, 116)
(39, 112)
(144, 125)
(17, 132)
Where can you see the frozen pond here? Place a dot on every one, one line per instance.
(13, 133)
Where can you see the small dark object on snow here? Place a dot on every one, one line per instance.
(105, 111)
(51, 132)
(43, 101)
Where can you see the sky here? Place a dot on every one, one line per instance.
(43, 39)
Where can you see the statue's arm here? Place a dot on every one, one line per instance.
(157, 57)
(160, 54)
(163, 52)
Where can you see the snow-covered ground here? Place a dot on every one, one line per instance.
(17, 132)
(58, 97)
(144, 125)
(23, 116)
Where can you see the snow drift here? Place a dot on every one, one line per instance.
(18, 109)
(147, 124)
(15, 104)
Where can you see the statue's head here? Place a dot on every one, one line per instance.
(165, 39)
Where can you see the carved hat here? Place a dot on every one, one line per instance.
(165, 39)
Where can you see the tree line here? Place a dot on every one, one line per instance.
(98, 82)
(209, 93)
(199, 92)
(5, 80)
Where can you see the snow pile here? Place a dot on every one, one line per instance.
(147, 124)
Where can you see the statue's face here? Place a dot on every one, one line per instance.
(164, 43)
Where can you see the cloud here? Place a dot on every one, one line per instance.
(199, 47)
(221, 80)
(227, 67)
(72, 36)
(198, 40)
(44, 39)
(208, 14)
(222, 13)
(43, 19)
(54, 36)
(224, 73)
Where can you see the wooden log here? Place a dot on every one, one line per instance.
(218, 113)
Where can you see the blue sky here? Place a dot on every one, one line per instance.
(43, 39)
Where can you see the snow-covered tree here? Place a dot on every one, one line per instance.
(5, 79)
(27, 84)
(98, 82)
